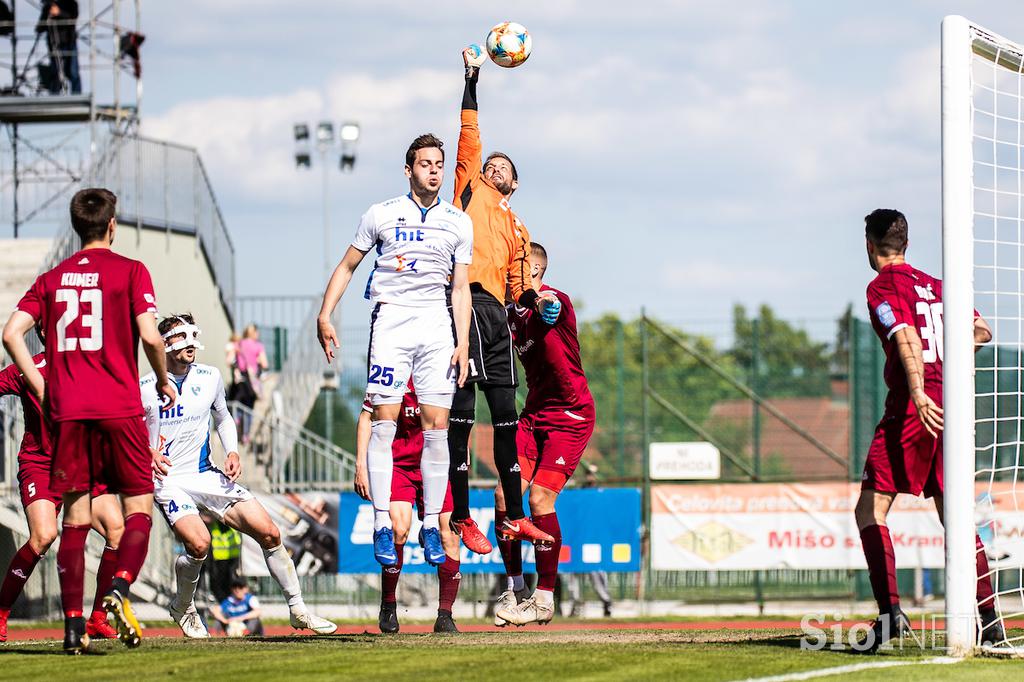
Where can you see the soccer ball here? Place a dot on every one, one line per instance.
(509, 44)
(235, 628)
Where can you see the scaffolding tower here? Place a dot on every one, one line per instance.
(73, 85)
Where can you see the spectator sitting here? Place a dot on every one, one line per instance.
(240, 606)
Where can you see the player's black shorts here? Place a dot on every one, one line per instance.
(491, 356)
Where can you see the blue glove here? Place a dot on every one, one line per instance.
(549, 310)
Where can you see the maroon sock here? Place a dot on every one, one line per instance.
(131, 553)
(881, 561)
(547, 554)
(22, 564)
(448, 579)
(511, 550)
(389, 576)
(984, 579)
(104, 574)
(71, 568)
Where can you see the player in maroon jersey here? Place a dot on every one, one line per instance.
(93, 309)
(41, 506)
(905, 456)
(554, 429)
(407, 490)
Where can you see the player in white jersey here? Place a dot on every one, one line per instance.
(187, 481)
(424, 247)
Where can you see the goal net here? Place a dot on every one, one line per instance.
(983, 217)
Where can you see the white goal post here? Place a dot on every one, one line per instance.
(983, 269)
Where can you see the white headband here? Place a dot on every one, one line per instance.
(191, 339)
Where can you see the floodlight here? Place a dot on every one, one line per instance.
(325, 132)
(349, 131)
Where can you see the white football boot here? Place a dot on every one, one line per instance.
(507, 600)
(305, 620)
(530, 611)
(190, 623)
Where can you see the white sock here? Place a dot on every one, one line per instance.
(282, 568)
(380, 465)
(516, 582)
(544, 596)
(434, 469)
(186, 574)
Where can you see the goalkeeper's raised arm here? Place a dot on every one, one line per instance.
(483, 188)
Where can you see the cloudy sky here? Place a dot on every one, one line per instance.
(677, 155)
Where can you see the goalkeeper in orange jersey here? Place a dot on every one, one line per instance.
(500, 263)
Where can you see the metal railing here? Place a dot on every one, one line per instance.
(294, 458)
(305, 372)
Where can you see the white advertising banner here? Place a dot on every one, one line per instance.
(807, 526)
(685, 461)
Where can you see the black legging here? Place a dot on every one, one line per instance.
(502, 403)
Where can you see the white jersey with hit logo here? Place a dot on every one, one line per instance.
(416, 248)
(182, 432)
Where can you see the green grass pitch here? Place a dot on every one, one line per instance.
(525, 655)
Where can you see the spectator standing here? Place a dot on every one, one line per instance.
(225, 557)
(57, 20)
(251, 361)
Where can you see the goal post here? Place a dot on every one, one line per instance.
(983, 269)
(958, 342)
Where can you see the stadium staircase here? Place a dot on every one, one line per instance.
(292, 458)
(19, 266)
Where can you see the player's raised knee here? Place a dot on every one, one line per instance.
(269, 537)
(197, 547)
(542, 500)
(42, 538)
(401, 530)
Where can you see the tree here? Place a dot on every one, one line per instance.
(612, 357)
(777, 359)
(343, 422)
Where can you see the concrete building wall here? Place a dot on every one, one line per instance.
(184, 284)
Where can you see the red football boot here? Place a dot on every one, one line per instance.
(3, 624)
(97, 627)
(472, 538)
(523, 529)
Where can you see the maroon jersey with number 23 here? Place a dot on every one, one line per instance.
(87, 306)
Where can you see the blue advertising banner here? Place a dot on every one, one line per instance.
(600, 532)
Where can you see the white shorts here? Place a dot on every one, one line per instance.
(210, 491)
(407, 341)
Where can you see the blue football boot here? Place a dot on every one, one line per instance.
(433, 550)
(384, 547)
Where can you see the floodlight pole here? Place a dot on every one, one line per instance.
(327, 212)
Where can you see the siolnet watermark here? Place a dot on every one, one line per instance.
(927, 632)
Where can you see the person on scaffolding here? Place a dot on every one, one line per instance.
(57, 20)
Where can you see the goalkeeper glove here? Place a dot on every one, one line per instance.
(549, 309)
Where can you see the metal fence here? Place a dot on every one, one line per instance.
(782, 400)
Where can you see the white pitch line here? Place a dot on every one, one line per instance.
(856, 667)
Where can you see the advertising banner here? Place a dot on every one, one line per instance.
(600, 532)
(685, 461)
(808, 526)
(309, 530)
